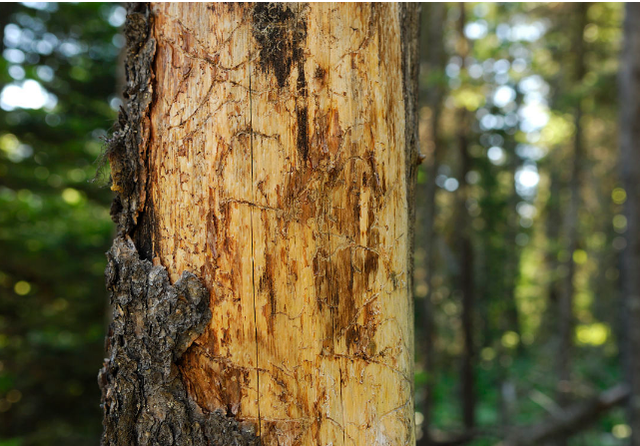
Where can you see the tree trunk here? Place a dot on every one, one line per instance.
(434, 17)
(465, 247)
(571, 218)
(571, 232)
(261, 278)
(630, 172)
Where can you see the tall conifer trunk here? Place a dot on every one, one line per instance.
(435, 61)
(261, 277)
(630, 172)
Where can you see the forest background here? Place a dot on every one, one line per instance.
(520, 236)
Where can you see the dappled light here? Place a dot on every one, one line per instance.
(523, 117)
(27, 94)
(58, 74)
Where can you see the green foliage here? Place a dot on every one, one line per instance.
(54, 223)
(526, 53)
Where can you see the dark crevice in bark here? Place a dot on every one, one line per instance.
(409, 16)
(144, 397)
(126, 149)
(410, 32)
(145, 232)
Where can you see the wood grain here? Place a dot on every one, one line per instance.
(277, 173)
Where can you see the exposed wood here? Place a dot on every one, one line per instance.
(279, 169)
(144, 399)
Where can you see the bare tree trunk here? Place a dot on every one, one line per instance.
(571, 234)
(630, 173)
(465, 249)
(468, 295)
(512, 264)
(554, 223)
(261, 279)
(511, 320)
(434, 47)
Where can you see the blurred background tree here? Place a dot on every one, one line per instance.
(522, 275)
(521, 221)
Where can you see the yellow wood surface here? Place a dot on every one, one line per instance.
(276, 172)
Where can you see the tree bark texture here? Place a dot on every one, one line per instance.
(261, 279)
(630, 172)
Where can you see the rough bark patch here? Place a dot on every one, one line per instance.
(154, 323)
(127, 146)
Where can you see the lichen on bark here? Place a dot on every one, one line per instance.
(144, 398)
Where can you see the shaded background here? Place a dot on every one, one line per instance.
(58, 72)
(520, 209)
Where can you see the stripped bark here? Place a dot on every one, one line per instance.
(270, 150)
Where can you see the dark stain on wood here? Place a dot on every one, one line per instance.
(302, 139)
(227, 383)
(266, 285)
(146, 232)
(276, 433)
(327, 138)
(319, 73)
(279, 32)
(212, 234)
